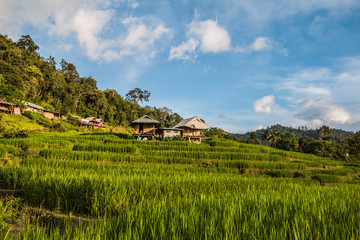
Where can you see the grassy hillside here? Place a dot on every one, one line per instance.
(86, 186)
(16, 122)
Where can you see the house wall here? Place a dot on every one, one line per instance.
(147, 127)
(48, 115)
(17, 111)
(31, 109)
(5, 108)
(57, 116)
(188, 132)
(169, 133)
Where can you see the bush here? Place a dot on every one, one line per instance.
(15, 134)
(40, 119)
(324, 178)
(279, 173)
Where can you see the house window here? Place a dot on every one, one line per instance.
(168, 131)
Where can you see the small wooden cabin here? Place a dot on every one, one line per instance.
(10, 108)
(97, 122)
(145, 127)
(82, 121)
(170, 132)
(193, 128)
(32, 107)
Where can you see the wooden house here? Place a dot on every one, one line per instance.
(52, 115)
(97, 122)
(170, 132)
(82, 121)
(193, 128)
(10, 108)
(32, 107)
(145, 127)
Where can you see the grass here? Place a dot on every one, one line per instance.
(17, 122)
(174, 190)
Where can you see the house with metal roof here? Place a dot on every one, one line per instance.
(145, 127)
(32, 107)
(52, 115)
(192, 129)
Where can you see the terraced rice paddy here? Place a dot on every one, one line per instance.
(128, 189)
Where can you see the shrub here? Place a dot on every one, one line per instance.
(15, 134)
(40, 119)
(324, 178)
(279, 173)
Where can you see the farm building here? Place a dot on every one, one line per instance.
(193, 128)
(32, 107)
(52, 115)
(82, 121)
(10, 108)
(145, 127)
(97, 122)
(170, 132)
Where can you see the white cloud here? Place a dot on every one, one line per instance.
(317, 26)
(315, 124)
(261, 43)
(305, 84)
(140, 38)
(205, 36)
(90, 22)
(185, 51)
(320, 109)
(265, 104)
(213, 38)
(258, 127)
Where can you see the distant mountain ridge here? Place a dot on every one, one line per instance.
(336, 134)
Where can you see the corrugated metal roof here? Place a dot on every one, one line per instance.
(194, 123)
(74, 116)
(32, 105)
(145, 119)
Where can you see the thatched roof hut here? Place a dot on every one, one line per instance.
(192, 128)
(145, 127)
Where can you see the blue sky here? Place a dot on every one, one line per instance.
(238, 64)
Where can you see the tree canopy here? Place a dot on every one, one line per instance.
(25, 75)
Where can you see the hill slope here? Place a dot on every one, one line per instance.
(165, 190)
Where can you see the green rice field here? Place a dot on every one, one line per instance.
(101, 186)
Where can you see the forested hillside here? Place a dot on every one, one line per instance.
(25, 75)
(335, 134)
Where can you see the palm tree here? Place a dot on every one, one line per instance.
(272, 136)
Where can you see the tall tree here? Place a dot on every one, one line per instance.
(137, 95)
(324, 133)
(254, 138)
(25, 42)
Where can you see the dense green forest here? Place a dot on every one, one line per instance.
(25, 75)
(325, 141)
(336, 134)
